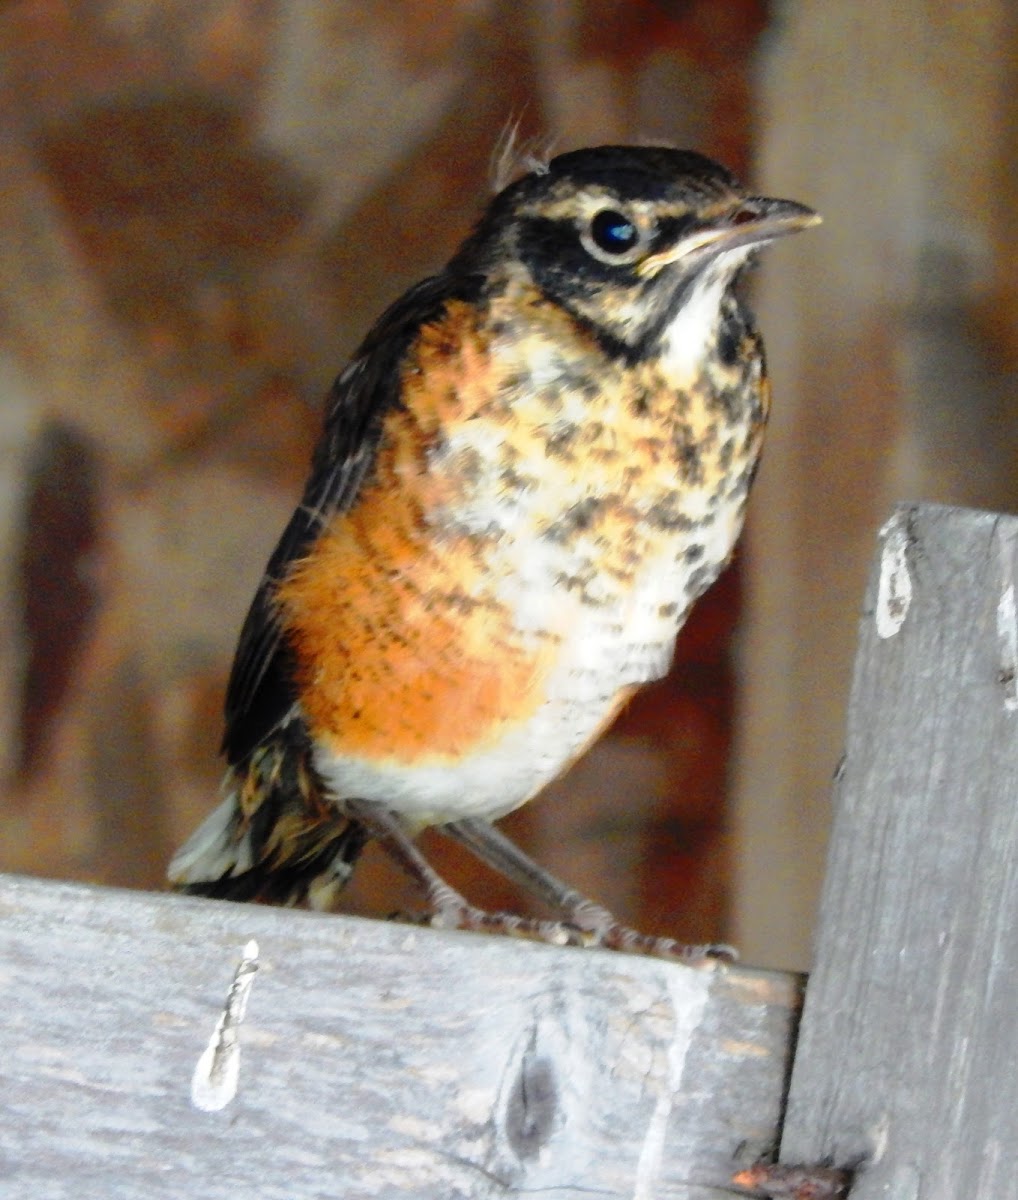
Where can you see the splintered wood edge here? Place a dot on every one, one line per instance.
(235, 1047)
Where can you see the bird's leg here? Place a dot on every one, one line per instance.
(448, 908)
(597, 924)
(386, 829)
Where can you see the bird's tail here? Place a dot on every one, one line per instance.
(276, 837)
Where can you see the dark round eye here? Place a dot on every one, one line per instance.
(613, 233)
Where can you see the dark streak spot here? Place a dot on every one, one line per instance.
(700, 580)
(513, 481)
(687, 452)
(665, 515)
(641, 403)
(469, 464)
(738, 488)
(560, 440)
(581, 583)
(575, 519)
(728, 345)
(459, 601)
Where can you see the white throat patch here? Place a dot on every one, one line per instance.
(697, 319)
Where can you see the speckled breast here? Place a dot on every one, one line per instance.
(540, 519)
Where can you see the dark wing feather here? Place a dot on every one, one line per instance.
(261, 693)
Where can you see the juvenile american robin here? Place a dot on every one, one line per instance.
(535, 463)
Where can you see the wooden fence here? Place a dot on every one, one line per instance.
(154, 1046)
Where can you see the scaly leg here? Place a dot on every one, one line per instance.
(449, 909)
(598, 925)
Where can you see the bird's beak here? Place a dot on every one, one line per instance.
(754, 221)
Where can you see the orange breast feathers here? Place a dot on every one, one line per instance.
(403, 653)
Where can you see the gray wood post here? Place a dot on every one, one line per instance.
(907, 1060)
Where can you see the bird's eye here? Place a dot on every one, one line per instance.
(611, 236)
(612, 232)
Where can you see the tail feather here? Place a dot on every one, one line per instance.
(276, 837)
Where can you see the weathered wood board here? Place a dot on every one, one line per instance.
(377, 1060)
(907, 1061)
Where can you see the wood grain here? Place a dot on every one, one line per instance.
(376, 1059)
(907, 1051)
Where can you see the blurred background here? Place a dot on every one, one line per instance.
(203, 206)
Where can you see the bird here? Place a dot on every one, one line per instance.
(534, 464)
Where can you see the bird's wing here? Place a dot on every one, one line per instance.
(261, 694)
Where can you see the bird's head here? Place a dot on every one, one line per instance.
(622, 236)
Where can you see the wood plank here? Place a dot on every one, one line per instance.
(377, 1059)
(907, 1054)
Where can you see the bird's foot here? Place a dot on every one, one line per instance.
(589, 925)
(585, 923)
(447, 909)
(600, 928)
(478, 920)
